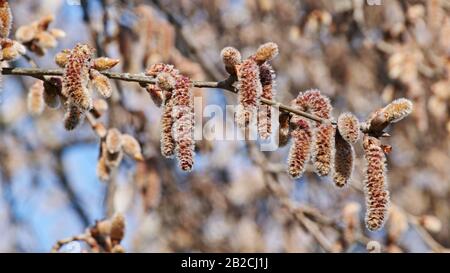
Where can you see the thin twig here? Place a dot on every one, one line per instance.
(142, 79)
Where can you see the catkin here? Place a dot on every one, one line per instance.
(183, 126)
(76, 77)
(114, 144)
(62, 58)
(343, 161)
(117, 229)
(35, 100)
(231, 57)
(348, 126)
(375, 184)
(164, 98)
(52, 90)
(266, 53)
(5, 19)
(104, 63)
(300, 150)
(267, 78)
(323, 149)
(250, 89)
(397, 110)
(103, 171)
(132, 147)
(314, 102)
(100, 83)
(73, 117)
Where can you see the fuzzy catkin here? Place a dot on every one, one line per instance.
(300, 150)
(5, 19)
(52, 91)
(183, 126)
(62, 58)
(231, 57)
(164, 98)
(375, 184)
(315, 103)
(100, 83)
(132, 147)
(76, 77)
(348, 126)
(397, 110)
(114, 151)
(266, 52)
(104, 63)
(73, 117)
(323, 149)
(35, 101)
(343, 161)
(267, 78)
(250, 89)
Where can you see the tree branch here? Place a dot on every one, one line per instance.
(226, 84)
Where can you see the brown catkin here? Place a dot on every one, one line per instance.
(5, 19)
(397, 110)
(267, 78)
(76, 77)
(300, 150)
(132, 147)
(167, 141)
(114, 144)
(11, 50)
(73, 117)
(284, 129)
(104, 63)
(249, 89)
(156, 94)
(183, 126)
(343, 161)
(375, 184)
(103, 171)
(35, 101)
(164, 98)
(348, 126)
(62, 58)
(117, 228)
(323, 149)
(100, 83)
(266, 52)
(314, 102)
(52, 91)
(231, 57)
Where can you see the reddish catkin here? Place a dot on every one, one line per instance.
(348, 126)
(5, 19)
(323, 149)
(35, 101)
(183, 126)
(375, 184)
(267, 77)
(314, 102)
(76, 77)
(231, 57)
(164, 98)
(343, 161)
(249, 89)
(300, 150)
